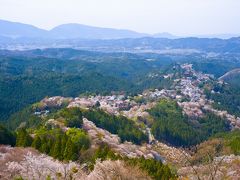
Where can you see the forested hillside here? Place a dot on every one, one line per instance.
(27, 77)
(172, 127)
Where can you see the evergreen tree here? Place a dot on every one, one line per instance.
(23, 138)
(36, 143)
(57, 148)
(44, 148)
(64, 144)
(68, 150)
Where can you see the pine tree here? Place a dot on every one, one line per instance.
(36, 143)
(57, 148)
(69, 150)
(23, 138)
(44, 148)
(50, 146)
(64, 143)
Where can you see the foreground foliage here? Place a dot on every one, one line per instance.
(56, 143)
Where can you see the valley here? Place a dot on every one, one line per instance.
(175, 125)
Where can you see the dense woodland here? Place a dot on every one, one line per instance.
(226, 97)
(223, 63)
(53, 141)
(28, 77)
(60, 145)
(173, 127)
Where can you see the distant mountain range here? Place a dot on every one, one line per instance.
(15, 30)
(71, 31)
(66, 31)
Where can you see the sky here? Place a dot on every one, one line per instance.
(179, 17)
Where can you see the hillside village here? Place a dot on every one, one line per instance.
(185, 90)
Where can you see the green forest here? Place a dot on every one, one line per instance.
(28, 78)
(226, 97)
(126, 129)
(171, 126)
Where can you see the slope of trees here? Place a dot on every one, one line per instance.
(226, 98)
(172, 126)
(154, 168)
(25, 117)
(23, 138)
(125, 128)
(17, 92)
(27, 77)
(55, 142)
(72, 117)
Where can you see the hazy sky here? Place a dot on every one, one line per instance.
(180, 17)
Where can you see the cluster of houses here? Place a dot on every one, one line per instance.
(190, 97)
(112, 104)
(43, 107)
(198, 102)
(188, 87)
(163, 93)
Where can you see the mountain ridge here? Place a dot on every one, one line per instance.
(65, 31)
(74, 30)
(230, 74)
(14, 30)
